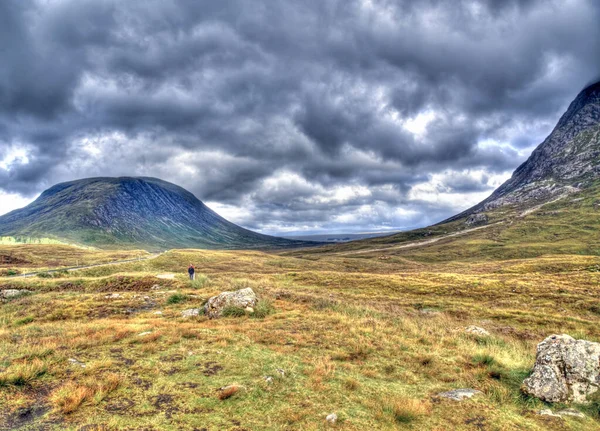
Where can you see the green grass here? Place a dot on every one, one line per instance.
(176, 298)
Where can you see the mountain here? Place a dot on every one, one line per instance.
(550, 205)
(567, 161)
(130, 212)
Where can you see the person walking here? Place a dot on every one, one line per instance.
(192, 272)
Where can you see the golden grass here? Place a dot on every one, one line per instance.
(371, 340)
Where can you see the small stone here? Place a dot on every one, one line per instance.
(190, 312)
(113, 296)
(548, 412)
(156, 287)
(74, 361)
(249, 310)
(331, 418)
(269, 380)
(158, 313)
(459, 394)
(281, 372)
(570, 412)
(476, 330)
(146, 298)
(143, 334)
(561, 413)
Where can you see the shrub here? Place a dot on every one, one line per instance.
(70, 396)
(176, 298)
(23, 374)
(44, 275)
(24, 321)
(263, 308)
(351, 384)
(200, 281)
(233, 311)
(406, 410)
(482, 359)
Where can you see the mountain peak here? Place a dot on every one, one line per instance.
(130, 212)
(568, 159)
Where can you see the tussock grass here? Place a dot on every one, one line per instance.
(372, 340)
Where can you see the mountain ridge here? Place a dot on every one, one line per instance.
(565, 161)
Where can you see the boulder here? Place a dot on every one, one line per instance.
(477, 219)
(243, 299)
(13, 293)
(565, 370)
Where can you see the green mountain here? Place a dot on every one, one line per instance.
(131, 212)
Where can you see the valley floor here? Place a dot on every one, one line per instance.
(372, 338)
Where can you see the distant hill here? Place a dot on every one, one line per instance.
(130, 212)
(338, 237)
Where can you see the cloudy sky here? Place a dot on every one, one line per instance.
(290, 116)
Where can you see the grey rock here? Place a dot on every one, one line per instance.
(75, 362)
(190, 312)
(565, 370)
(571, 412)
(331, 418)
(113, 296)
(268, 380)
(562, 413)
(476, 330)
(243, 298)
(13, 293)
(459, 394)
(477, 219)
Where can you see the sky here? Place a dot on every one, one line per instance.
(305, 116)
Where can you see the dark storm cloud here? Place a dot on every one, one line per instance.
(310, 113)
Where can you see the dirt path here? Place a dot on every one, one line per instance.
(96, 265)
(418, 243)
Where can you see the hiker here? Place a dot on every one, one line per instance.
(192, 272)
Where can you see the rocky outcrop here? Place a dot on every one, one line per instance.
(477, 219)
(244, 298)
(12, 294)
(565, 370)
(565, 162)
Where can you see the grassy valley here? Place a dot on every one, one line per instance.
(373, 337)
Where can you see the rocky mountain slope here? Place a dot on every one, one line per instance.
(130, 212)
(550, 205)
(567, 161)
